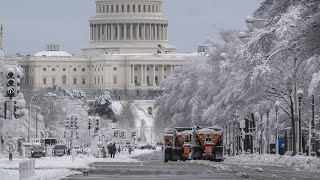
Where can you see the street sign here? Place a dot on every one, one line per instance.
(10, 146)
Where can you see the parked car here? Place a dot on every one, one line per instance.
(38, 150)
(59, 150)
(78, 149)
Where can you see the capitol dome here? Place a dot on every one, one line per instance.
(53, 51)
(128, 26)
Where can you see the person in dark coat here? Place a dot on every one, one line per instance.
(114, 150)
(110, 150)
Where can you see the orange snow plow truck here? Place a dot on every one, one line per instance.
(184, 143)
(207, 144)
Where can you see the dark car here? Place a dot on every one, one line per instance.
(59, 150)
(38, 151)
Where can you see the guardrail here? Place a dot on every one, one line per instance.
(26, 169)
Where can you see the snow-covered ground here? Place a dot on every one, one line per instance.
(305, 163)
(49, 168)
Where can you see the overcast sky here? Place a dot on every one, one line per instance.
(31, 24)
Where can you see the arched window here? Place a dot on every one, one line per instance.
(128, 8)
(64, 79)
(150, 110)
(144, 8)
(98, 80)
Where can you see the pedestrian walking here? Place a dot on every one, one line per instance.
(110, 150)
(114, 150)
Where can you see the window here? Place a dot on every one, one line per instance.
(135, 69)
(144, 8)
(44, 80)
(117, 8)
(150, 110)
(83, 69)
(149, 8)
(134, 8)
(135, 80)
(53, 81)
(83, 80)
(74, 69)
(95, 80)
(64, 79)
(112, 8)
(139, 8)
(44, 69)
(114, 68)
(122, 8)
(128, 8)
(147, 69)
(64, 69)
(107, 8)
(148, 79)
(165, 69)
(53, 69)
(98, 80)
(156, 79)
(98, 69)
(156, 68)
(153, 8)
(74, 80)
(115, 80)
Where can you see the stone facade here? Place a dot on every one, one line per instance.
(129, 53)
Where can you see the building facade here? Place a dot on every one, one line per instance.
(129, 53)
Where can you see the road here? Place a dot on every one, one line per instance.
(152, 167)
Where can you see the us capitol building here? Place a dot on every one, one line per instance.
(128, 54)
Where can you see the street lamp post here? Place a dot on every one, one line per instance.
(277, 105)
(300, 94)
(267, 133)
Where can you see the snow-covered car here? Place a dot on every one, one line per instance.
(38, 150)
(78, 149)
(59, 150)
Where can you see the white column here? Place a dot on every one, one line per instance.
(171, 70)
(133, 75)
(144, 32)
(144, 75)
(97, 33)
(138, 31)
(154, 75)
(151, 32)
(101, 29)
(118, 31)
(91, 35)
(131, 31)
(156, 31)
(125, 32)
(112, 32)
(132, 69)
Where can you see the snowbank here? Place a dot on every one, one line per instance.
(306, 163)
(51, 168)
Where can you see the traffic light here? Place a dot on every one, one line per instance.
(3, 109)
(115, 134)
(11, 83)
(97, 124)
(133, 134)
(18, 81)
(18, 108)
(67, 123)
(89, 123)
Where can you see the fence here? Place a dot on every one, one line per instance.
(26, 169)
